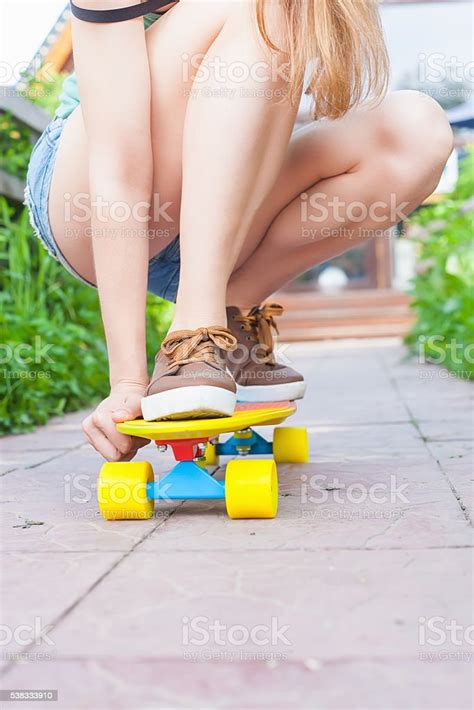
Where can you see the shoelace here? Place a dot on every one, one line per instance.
(185, 346)
(260, 322)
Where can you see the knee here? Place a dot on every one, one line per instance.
(415, 133)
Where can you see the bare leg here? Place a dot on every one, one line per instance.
(370, 159)
(220, 198)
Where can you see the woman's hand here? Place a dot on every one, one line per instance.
(122, 404)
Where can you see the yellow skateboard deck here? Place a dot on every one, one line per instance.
(245, 416)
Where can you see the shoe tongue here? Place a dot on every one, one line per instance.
(233, 311)
(236, 310)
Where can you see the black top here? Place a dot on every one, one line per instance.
(119, 15)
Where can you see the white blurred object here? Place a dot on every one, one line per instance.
(404, 263)
(305, 112)
(450, 175)
(332, 280)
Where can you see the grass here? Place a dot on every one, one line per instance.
(52, 350)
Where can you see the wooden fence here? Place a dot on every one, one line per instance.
(31, 116)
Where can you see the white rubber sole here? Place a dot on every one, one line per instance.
(192, 402)
(271, 393)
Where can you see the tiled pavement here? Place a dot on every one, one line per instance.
(344, 601)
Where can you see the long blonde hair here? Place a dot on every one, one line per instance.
(342, 41)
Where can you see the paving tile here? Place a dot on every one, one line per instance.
(432, 395)
(148, 683)
(317, 526)
(323, 605)
(14, 460)
(333, 404)
(451, 430)
(61, 494)
(456, 460)
(350, 577)
(37, 590)
(382, 489)
(349, 387)
(59, 433)
(45, 443)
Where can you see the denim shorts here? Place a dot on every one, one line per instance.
(163, 269)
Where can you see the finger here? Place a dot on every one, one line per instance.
(104, 422)
(132, 408)
(139, 442)
(102, 444)
(123, 415)
(130, 456)
(136, 444)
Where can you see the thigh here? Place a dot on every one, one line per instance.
(69, 197)
(175, 44)
(318, 151)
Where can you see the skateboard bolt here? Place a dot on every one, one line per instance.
(243, 434)
(201, 451)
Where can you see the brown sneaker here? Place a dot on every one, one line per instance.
(258, 376)
(190, 379)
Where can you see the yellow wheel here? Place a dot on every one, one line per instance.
(210, 457)
(251, 489)
(290, 445)
(121, 491)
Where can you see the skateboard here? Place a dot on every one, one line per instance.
(128, 490)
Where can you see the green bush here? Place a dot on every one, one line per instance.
(52, 353)
(16, 139)
(15, 146)
(443, 288)
(46, 92)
